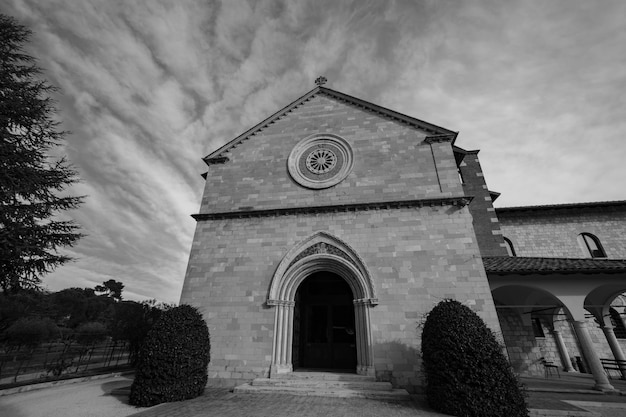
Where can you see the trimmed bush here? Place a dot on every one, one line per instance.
(173, 360)
(466, 371)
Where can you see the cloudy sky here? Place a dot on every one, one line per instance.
(150, 87)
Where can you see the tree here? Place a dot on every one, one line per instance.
(132, 322)
(32, 183)
(111, 288)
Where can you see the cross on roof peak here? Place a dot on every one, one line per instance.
(321, 80)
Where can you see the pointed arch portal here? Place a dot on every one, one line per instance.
(320, 253)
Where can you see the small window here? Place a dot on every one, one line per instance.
(537, 327)
(591, 246)
(509, 247)
(618, 324)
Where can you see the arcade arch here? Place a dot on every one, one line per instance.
(573, 295)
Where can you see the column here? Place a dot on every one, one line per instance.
(289, 341)
(358, 325)
(615, 347)
(283, 334)
(602, 382)
(565, 359)
(365, 365)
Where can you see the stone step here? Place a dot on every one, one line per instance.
(365, 385)
(391, 395)
(324, 376)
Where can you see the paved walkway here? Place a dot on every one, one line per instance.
(568, 396)
(221, 402)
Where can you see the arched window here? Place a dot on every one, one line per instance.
(618, 324)
(509, 247)
(591, 245)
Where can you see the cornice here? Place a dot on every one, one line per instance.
(216, 160)
(604, 206)
(439, 138)
(460, 201)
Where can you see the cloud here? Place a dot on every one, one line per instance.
(149, 87)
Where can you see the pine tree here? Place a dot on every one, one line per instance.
(32, 182)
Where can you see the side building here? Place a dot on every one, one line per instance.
(581, 242)
(558, 287)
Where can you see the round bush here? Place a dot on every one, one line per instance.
(173, 360)
(466, 371)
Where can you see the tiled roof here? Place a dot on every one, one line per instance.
(594, 204)
(505, 265)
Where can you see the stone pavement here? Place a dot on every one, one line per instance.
(568, 396)
(221, 402)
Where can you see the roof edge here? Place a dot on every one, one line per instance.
(553, 266)
(421, 124)
(593, 204)
(232, 143)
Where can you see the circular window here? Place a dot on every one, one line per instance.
(320, 161)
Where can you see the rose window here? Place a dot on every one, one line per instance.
(321, 161)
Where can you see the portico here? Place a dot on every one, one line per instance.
(578, 288)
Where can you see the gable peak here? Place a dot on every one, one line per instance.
(218, 156)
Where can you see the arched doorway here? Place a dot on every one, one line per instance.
(324, 324)
(322, 254)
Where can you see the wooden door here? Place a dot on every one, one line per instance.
(327, 331)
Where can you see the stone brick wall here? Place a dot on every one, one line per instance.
(416, 257)
(525, 350)
(553, 233)
(391, 162)
(485, 221)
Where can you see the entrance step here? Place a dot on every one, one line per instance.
(324, 384)
(324, 376)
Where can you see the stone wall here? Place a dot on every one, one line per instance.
(521, 346)
(525, 350)
(486, 226)
(553, 233)
(391, 162)
(416, 257)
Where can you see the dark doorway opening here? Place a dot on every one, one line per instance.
(324, 330)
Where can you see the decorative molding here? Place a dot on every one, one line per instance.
(460, 201)
(310, 256)
(321, 248)
(439, 138)
(217, 160)
(283, 303)
(365, 302)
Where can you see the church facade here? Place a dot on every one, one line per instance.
(329, 230)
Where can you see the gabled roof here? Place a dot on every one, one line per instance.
(218, 156)
(508, 265)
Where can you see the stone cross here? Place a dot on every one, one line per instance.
(320, 80)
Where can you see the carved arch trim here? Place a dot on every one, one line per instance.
(321, 252)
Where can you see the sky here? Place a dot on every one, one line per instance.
(148, 88)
